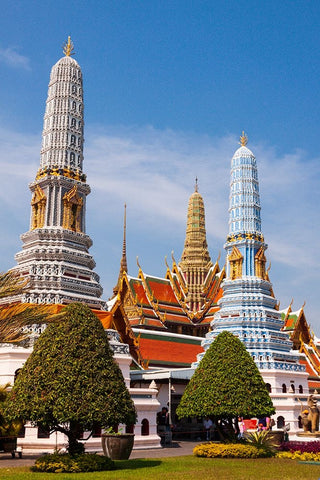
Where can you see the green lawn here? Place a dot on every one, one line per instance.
(183, 468)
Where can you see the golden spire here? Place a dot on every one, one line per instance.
(196, 185)
(68, 47)
(243, 139)
(123, 263)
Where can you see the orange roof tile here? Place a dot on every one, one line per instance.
(314, 384)
(162, 291)
(168, 352)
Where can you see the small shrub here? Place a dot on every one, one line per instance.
(59, 463)
(262, 441)
(302, 456)
(309, 447)
(228, 450)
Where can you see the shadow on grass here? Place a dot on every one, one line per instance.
(136, 464)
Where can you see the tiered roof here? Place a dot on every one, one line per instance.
(295, 324)
(166, 329)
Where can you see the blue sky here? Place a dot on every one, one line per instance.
(169, 86)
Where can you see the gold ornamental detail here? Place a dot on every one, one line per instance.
(243, 139)
(65, 172)
(260, 263)
(235, 261)
(38, 206)
(72, 209)
(68, 47)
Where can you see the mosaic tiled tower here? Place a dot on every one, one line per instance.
(195, 260)
(248, 308)
(55, 250)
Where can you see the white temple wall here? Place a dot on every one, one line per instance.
(12, 358)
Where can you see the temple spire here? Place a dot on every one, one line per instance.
(195, 259)
(55, 254)
(248, 308)
(123, 261)
(243, 139)
(68, 47)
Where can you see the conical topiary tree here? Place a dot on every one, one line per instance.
(226, 384)
(70, 382)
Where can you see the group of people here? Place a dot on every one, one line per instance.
(263, 424)
(209, 427)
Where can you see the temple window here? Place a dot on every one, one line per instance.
(300, 389)
(96, 432)
(280, 422)
(73, 139)
(43, 432)
(129, 428)
(16, 373)
(73, 122)
(284, 388)
(145, 427)
(268, 387)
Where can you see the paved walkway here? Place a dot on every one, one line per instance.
(177, 449)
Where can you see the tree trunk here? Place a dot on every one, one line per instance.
(74, 446)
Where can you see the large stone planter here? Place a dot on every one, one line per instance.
(117, 447)
(8, 444)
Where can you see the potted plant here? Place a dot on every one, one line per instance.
(117, 445)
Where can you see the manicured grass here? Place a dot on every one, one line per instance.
(184, 468)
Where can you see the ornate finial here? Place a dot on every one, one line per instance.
(123, 263)
(68, 47)
(243, 139)
(196, 185)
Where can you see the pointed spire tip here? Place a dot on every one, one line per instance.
(243, 139)
(68, 47)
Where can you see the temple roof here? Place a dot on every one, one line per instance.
(168, 350)
(243, 152)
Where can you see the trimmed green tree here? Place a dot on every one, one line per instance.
(70, 382)
(226, 384)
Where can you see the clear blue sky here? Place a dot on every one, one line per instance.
(169, 86)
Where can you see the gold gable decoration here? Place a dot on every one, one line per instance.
(235, 261)
(38, 205)
(260, 264)
(72, 209)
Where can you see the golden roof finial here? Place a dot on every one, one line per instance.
(243, 139)
(68, 47)
(196, 185)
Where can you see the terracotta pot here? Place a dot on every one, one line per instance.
(117, 447)
(8, 444)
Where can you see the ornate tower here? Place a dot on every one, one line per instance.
(123, 261)
(248, 308)
(55, 250)
(195, 261)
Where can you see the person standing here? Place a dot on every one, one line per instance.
(207, 423)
